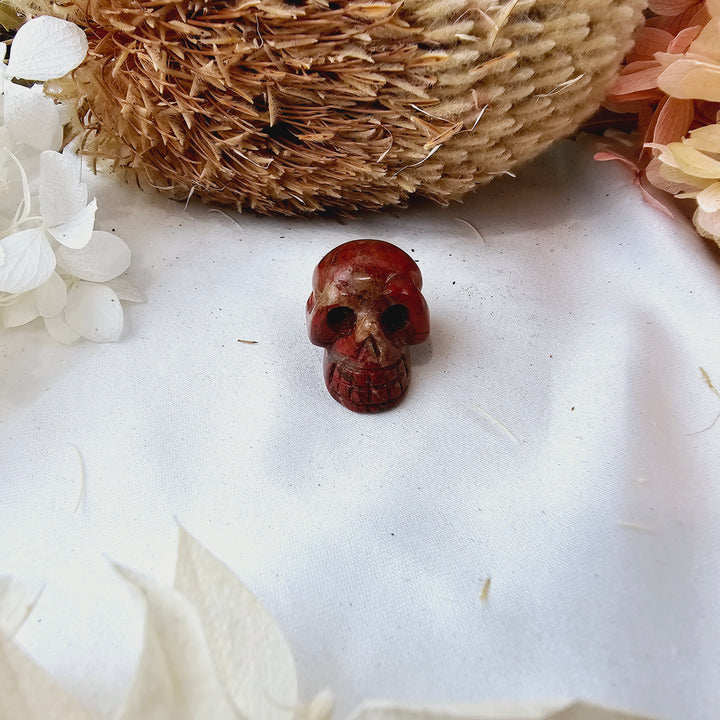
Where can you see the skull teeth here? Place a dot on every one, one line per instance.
(368, 389)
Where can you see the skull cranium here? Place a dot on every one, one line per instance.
(365, 309)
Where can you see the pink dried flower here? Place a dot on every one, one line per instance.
(671, 80)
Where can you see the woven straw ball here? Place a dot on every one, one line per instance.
(301, 106)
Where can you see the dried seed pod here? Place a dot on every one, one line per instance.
(303, 106)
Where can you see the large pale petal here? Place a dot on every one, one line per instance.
(51, 296)
(61, 192)
(45, 48)
(21, 312)
(491, 711)
(709, 199)
(78, 230)
(671, 179)
(252, 657)
(707, 44)
(28, 261)
(16, 601)
(60, 331)
(707, 224)
(175, 679)
(691, 79)
(105, 257)
(27, 692)
(32, 118)
(694, 162)
(706, 138)
(126, 290)
(94, 312)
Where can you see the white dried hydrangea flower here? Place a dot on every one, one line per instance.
(53, 263)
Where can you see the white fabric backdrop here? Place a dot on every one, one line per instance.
(579, 321)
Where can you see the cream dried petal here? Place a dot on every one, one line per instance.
(45, 48)
(691, 79)
(707, 43)
(671, 179)
(28, 692)
(709, 199)
(668, 178)
(176, 678)
(105, 257)
(694, 162)
(60, 331)
(707, 224)
(252, 657)
(78, 230)
(32, 118)
(706, 138)
(16, 602)
(491, 711)
(28, 261)
(20, 312)
(51, 296)
(61, 192)
(125, 290)
(94, 312)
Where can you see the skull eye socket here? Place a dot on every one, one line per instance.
(341, 319)
(395, 318)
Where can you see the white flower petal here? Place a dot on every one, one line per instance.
(60, 331)
(543, 710)
(16, 602)
(94, 311)
(24, 200)
(176, 677)
(32, 118)
(125, 290)
(28, 692)
(51, 296)
(45, 48)
(105, 257)
(61, 192)
(29, 261)
(253, 660)
(22, 311)
(76, 232)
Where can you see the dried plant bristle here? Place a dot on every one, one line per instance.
(301, 106)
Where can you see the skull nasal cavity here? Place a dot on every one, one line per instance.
(395, 318)
(341, 319)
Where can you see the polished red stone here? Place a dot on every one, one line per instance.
(365, 309)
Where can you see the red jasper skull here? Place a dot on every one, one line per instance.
(365, 309)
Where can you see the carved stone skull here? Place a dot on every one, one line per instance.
(365, 309)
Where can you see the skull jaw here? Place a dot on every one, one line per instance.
(366, 389)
